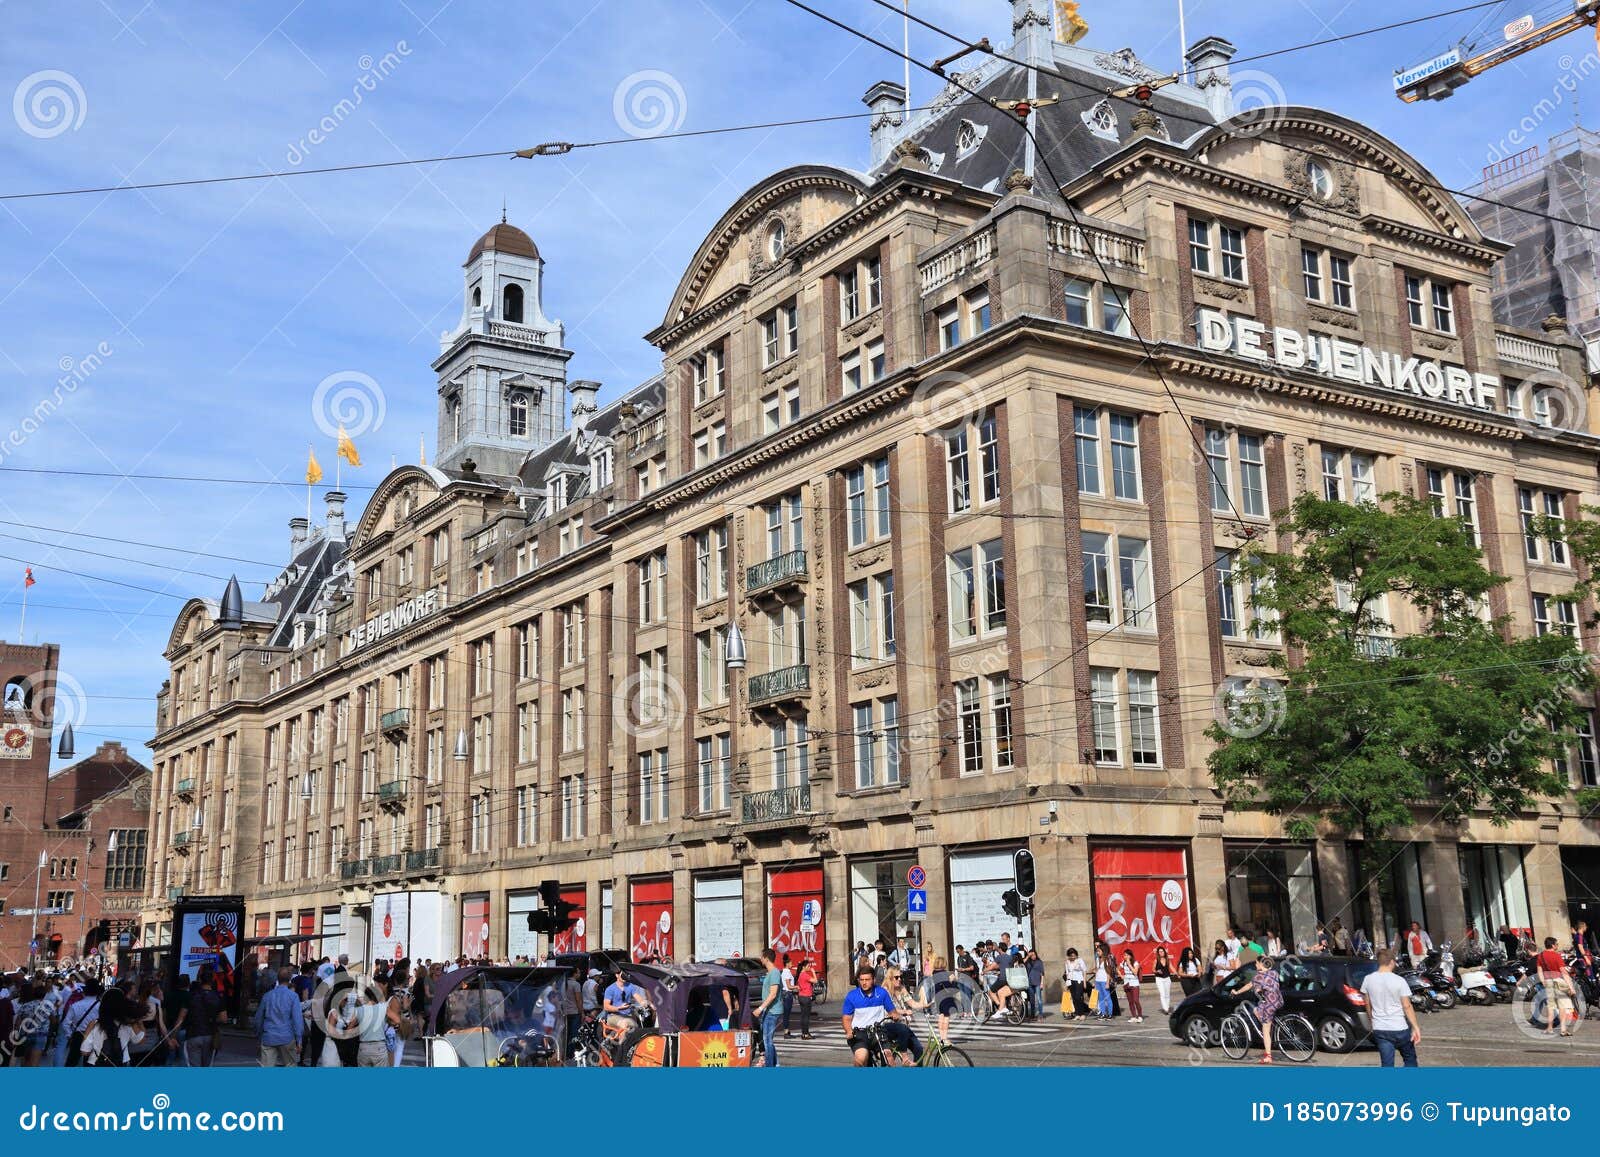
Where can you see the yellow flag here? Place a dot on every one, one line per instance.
(1070, 27)
(347, 449)
(313, 469)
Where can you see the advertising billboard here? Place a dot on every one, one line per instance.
(208, 932)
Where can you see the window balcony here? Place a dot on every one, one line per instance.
(784, 683)
(423, 860)
(392, 795)
(396, 722)
(184, 790)
(1375, 646)
(176, 893)
(775, 572)
(776, 807)
(387, 865)
(353, 869)
(182, 842)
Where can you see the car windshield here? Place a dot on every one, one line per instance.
(1360, 971)
(1237, 977)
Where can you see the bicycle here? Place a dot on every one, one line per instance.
(1292, 1034)
(985, 1006)
(936, 1054)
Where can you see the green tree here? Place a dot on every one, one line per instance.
(1366, 732)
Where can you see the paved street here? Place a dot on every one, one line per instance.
(1463, 1036)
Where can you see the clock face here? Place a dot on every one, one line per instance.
(15, 738)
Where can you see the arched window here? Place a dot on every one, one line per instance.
(477, 296)
(18, 695)
(511, 304)
(518, 422)
(455, 419)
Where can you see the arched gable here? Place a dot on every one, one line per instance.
(383, 508)
(760, 208)
(1306, 132)
(194, 619)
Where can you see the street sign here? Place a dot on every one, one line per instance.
(52, 911)
(917, 903)
(125, 939)
(25, 911)
(916, 877)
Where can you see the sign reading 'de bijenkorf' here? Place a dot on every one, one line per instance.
(1347, 361)
(397, 618)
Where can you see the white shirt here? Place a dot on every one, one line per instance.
(1386, 995)
(1075, 971)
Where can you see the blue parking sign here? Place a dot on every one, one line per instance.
(917, 903)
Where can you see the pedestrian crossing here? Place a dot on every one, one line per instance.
(828, 1034)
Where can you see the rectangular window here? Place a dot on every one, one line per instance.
(527, 650)
(1086, 428)
(989, 458)
(1115, 311)
(1103, 715)
(849, 297)
(976, 579)
(872, 620)
(572, 723)
(711, 565)
(1344, 290)
(1143, 728)
(1199, 245)
(1231, 245)
(1414, 300)
(769, 339)
(1080, 301)
(850, 373)
(1311, 273)
(714, 772)
(969, 726)
(877, 743)
(949, 322)
(525, 829)
(711, 667)
(957, 474)
(785, 525)
(654, 789)
(874, 271)
(1227, 595)
(1124, 456)
(1236, 460)
(1444, 317)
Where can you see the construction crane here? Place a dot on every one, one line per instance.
(1437, 78)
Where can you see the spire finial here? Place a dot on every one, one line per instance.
(502, 210)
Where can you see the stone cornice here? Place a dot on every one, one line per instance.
(1177, 164)
(701, 319)
(1484, 255)
(903, 186)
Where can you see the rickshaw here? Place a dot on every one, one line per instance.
(497, 1018)
(699, 1018)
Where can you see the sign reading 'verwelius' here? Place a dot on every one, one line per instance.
(1346, 361)
(397, 618)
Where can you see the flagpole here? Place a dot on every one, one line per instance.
(311, 452)
(22, 622)
(1183, 45)
(906, 53)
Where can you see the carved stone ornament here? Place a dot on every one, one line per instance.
(872, 556)
(710, 613)
(777, 372)
(1298, 449)
(712, 718)
(708, 411)
(1227, 290)
(1018, 181)
(1124, 63)
(1408, 478)
(859, 328)
(786, 217)
(1434, 342)
(1345, 195)
(1250, 656)
(872, 679)
(1341, 318)
(1234, 529)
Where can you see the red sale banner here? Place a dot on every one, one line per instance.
(475, 926)
(650, 902)
(794, 913)
(1141, 900)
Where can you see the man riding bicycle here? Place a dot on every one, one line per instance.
(995, 963)
(865, 1006)
(622, 1003)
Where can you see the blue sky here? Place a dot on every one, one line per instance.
(216, 311)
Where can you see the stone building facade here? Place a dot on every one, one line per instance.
(911, 440)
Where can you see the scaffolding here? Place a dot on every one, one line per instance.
(1552, 268)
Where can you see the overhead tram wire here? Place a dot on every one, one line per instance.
(1131, 102)
(553, 148)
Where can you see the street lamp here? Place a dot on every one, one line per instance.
(736, 657)
(66, 750)
(460, 754)
(33, 931)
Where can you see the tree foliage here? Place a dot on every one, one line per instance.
(1375, 730)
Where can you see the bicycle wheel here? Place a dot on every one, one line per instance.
(1016, 1008)
(1294, 1038)
(1235, 1038)
(950, 1057)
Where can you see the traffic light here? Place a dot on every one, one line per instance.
(539, 921)
(1012, 903)
(562, 917)
(1022, 873)
(550, 893)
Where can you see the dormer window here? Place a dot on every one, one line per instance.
(1101, 120)
(511, 304)
(968, 137)
(517, 419)
(558, 492)
(600, 468)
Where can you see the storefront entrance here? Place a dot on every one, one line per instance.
(1273, 888)
(1494, 891)
(878, 891)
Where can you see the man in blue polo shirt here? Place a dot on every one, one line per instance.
(621, 1002)
(866, 1005)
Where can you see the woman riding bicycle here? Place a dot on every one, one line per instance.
(1269, 1001)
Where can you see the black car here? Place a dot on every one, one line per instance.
(1325, 989)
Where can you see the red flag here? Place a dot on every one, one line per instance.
(27, 579)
